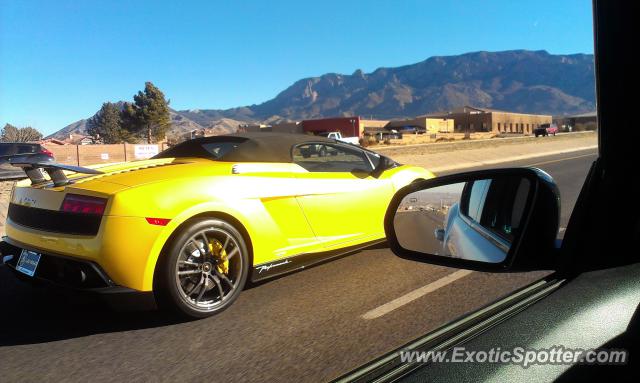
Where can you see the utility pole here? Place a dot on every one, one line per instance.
(467, 131)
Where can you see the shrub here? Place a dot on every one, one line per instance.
(368, 141)
(591, 126)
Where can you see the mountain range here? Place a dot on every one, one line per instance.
(518, 81)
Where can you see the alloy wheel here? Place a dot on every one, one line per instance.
(209, 268)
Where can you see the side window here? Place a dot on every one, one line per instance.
(477, 196)
(330, 158)
(26, 149)
(6, 149)
(374, 158)
(497, 205)
(504, 205)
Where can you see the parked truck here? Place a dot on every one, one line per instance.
(347, 126)
(338, 137)
(545, 130)
(350, 129)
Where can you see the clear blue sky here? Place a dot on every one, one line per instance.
(60, 60)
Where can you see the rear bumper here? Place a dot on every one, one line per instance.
(124, 248)
(61, 270)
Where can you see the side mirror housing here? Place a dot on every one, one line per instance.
(490, 220)
(384, 164)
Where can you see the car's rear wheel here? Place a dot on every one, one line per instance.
(203, 270)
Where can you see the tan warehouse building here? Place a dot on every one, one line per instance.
(474, 119)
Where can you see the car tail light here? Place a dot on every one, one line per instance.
(158, 221)
(76, 203)
(46, 152)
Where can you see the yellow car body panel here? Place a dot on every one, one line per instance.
(284, 210)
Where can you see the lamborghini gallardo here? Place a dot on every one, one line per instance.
(198, 220)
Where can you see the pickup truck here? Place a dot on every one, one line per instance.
(338, 137)
(545, 130)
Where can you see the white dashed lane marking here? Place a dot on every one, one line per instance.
(415, 294)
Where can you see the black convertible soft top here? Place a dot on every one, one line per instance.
(243, 147)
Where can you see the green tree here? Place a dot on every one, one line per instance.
(148, 115)
(107, 125)
(12, 133)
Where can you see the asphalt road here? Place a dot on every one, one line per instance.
(426, 222)
(313, 325)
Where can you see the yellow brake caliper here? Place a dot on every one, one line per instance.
(215, 247)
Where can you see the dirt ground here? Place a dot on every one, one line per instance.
(437, 157)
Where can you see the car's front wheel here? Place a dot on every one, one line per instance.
(203, 270)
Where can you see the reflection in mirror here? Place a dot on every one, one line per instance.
(476, 220)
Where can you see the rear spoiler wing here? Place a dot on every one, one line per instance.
(34, 165)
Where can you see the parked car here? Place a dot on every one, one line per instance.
(412, 129)
(198, 220)
(545, 130)
(384, 134)
(10, 150)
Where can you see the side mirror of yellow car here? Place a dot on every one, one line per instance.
(384, 164)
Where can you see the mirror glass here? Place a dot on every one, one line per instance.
(476, 220)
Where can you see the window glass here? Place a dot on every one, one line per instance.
(219, 149)
(486, 204)
(7, 149)
(374, 158)
(476, 199)
(330, 158)
(26, 148)
(502, 215)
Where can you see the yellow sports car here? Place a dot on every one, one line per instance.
(194, 222)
